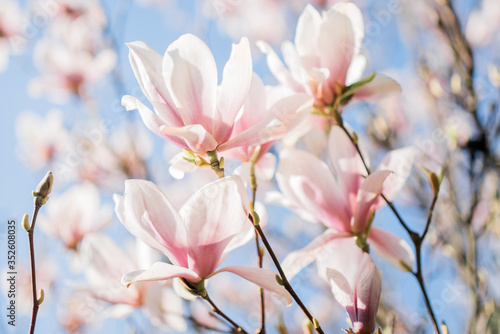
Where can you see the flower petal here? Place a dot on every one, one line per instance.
(381, 86)
(149, 215)
(368, 290)
(339, 39)
(262, 277)
(400, 162)
(307, 31)
(216, 222)
(194, 137)
(280, 72)
(147, 66)
(160, 271)
(367, 197)
(152, 122)
(347, 165)
(190, 75)
(296, 261)
(393, 249)
(236, 80)
(308, 183)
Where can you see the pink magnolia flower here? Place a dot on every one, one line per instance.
(325, 56)
(197, 238)
(355, 282)
(74, 213)
(106, 263)
(191, 111)
(342, 199)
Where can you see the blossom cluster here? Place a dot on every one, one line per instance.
(283, 167)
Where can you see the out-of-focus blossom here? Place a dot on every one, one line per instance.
(191, 111)
(106, 263)
(342, 199)
(46, 275)
(355, 281)
(10, 31)
(74, 213)
(110, 159)
(69, 56)
(41, 140)
(483, 23)
(324, 58)
(197, 238)
(256, 19)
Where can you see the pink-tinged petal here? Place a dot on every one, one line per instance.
(368, 290)
(400, 162)
(179, 167)
(194, 138)
(254, 107)
(381, 86)
(149, 215)
(355, 281)
(236, 80)
(295, 63)
(367, 197)
(282, 113)
(277, 68)
(216, 222)
(269, 129)
(262, 277)
(393, 249)
(277, 198)
(147, 66)
(339, 39)
(296, 261)
(342, 292)
(152, 122)
(355, 71)
(160, 271)
(307, 31)
(190, 75)
(308, 183)
(265, 167)
(347, 165)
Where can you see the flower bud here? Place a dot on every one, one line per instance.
(26, 223)
(45, 186)
(41, 297)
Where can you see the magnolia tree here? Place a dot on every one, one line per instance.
(349, 181)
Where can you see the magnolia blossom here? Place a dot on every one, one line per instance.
(324, 58)
(69, 56)
(191, 111)
(41, 140)
(342, 199)
(109, 159)
(74, 213)
(106, 263)
(355, 282)
(197, 238)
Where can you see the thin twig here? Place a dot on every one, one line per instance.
(33, 271)
(415, 237)
(237, 328)
(285, 282)
(260, 253)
